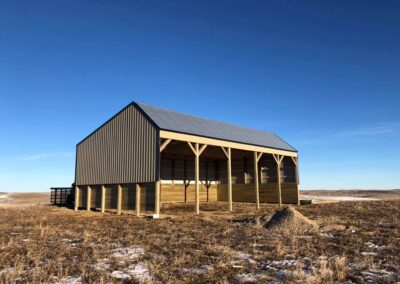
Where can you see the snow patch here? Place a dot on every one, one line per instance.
(128, 252)
(6, 270)
(247, 278)
(138, 272)
(72, 280)
(369, 253)
(195, 270)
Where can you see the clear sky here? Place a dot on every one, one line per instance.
(323, 75)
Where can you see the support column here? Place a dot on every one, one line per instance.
(230, 179)
(119, 200)
(103, 199)
(256, 186)
(227, 153)
(196, 178)
(157, 196)
(137, 206)
(296, 164)
(278, 159)
(76, 205)
(89, 198)
(197, 152)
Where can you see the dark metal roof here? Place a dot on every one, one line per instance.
(189, 124)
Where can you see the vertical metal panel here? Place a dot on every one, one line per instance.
(123, 150)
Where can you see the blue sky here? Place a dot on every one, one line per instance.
(324, 75)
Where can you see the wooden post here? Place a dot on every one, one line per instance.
(230, 179)
(296, 164)
(157, 196)
(76, 205)
(137, 206)
(89, 198)
(278, 158)
(119, 200)
(227, 153)
(196, 178)
(256, 186)
(197, 152)
(103, 199)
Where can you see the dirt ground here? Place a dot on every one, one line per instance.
(357, 242)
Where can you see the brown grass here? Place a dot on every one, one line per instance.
(43, 244)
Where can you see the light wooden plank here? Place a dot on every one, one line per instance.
(103, 199)
(137, 205)
(119, 200)
(76, 205)
(164, 144)
(256, 186)
(223, 143)
(89, 198)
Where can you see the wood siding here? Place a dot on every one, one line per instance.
(128, 197)
(268, 193)
(171, 193)
(123, 150)
(241, 193)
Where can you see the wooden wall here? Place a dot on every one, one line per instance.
(268, 193)
(240, 193)
(171, 193)
(147, 199)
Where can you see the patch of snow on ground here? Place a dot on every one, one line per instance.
(128, 252)
(6, 270)
(247, 278)
(369, 253)
(381, 276)
(139, 272)
(72, 280)
(326, 235)
(195, 270)
(374, 246)
(119, 274)
(242, 256)
(102, 265)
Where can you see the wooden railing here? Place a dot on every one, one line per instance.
(62, 196)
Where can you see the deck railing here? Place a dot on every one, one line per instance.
(62, 196)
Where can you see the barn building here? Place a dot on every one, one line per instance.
(146, 156)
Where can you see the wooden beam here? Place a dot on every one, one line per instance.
(157, 197)
(137, 206)
(164, 144)
(103, 199)
(119, 200)
(297, 181)
(76, 205)
(278, 177)
(223, 143)
(259, 155)
(196, 177)
(229, 179)
(202, 149)
(225, 152)
(294, 159)
(89, 198)
(256, 186)
(193, 149)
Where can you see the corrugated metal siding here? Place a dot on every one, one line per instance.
(123, 150)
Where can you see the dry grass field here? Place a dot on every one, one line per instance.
(357, 242)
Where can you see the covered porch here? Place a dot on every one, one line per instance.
(200, 170)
